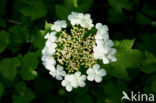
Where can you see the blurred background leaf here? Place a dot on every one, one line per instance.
(8, 68)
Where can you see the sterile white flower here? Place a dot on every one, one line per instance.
(58, 73)
(50, 48)
(51, 37)
(84, 20)
(95, 73)
(70, 82)
(80, 79)
(102, 29)
(74, 18)
(104, 45)
(104, 36)
(58, 25)
(49, 62)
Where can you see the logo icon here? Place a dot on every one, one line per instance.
(137, 96)
(125, 96)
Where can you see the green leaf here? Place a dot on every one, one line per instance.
(18, 34)
(38, 11)
(23, 95)
(115, 17)
(8, 67)
(113, 91)
(118, 5)
(1, 89)
(147, 42)
(38, 40)
(4, 40)
(142, 19)
(71, 3)
(62, 12)
(149, 9)
(47, 27)
(84, 5)
(69, 6)
(149, 63)
(126, 58)
(35, 10)
(29, 64)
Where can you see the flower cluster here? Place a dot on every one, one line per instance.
(103, 49)
(71, 56)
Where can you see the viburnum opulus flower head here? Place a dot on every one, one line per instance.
(71, 51)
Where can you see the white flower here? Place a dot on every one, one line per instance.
(84, 20)
(104, 36)
(58, 25)
(97, 53)
(95, 73)
(51, 37)
(103, 48)
(80, 79)
(102, 29)
(49, 48)
(58, 73)
(110, 56)
(49, 62)
(70, 82)
(74, 18)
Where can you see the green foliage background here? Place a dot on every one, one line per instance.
(23, 79)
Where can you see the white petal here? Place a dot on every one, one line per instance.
(83, 77)
(96, 66)
(82, 84)
(53, 33)
(102, 72)
(52, 38)
(64, 83)
(53, 73)
(63, 73)
(52, 27)
(90, 71)
(105, 60)
(59, 68)
(105, 27)
(90, 77)
(110, 43)
(63, 24)
(87, 15)
(69, 88)
(98, 26)
(112, 58)
(58, 77)
(48, 43)
(98, 79)
(113, 51)
(54, 45)
(74, 83)
(77, 74)
(58, 29)
(46, 36)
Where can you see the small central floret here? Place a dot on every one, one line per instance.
(75, 50)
